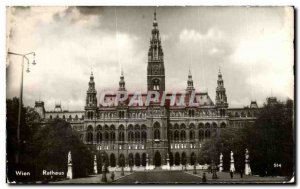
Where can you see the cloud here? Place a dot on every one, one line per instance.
(268, 56)
(190, 35)
(65, 53)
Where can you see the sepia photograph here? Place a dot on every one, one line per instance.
(119, 95)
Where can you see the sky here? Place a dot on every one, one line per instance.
(252, 46)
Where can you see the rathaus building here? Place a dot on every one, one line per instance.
(153, 135)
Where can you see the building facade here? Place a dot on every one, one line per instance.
(154, 134)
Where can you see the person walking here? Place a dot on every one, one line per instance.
(112, 176)
(241, 172)
(204, 178)
(231, 174)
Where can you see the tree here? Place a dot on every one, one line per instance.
(227, 140)
(51, 144)
(272, 140)
(28, 125)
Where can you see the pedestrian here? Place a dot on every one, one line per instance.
(241, 172)
(112, 176)
(204, 178)
(231, 174)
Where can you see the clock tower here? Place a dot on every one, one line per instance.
(156, 68)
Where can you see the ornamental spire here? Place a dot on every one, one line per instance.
(122, 82)
(155, 50)
(190, 83)
(155, 21)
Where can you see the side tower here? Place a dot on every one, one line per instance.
(40, 108)
(91, 100)
(156, 68)
(221, 98)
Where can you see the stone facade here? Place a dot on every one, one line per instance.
(137, 134)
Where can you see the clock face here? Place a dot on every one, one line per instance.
(155, 69)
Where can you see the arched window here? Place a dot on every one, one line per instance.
(192, 134)
(112, 136)
(249, 114)
(156, 84)
(171, 135)
(63, 117)
(201, 126)
(176, 135)
(201, 134)
(243, 114)
(50, 116)
(106, 136)
(121, 136)
(137, 136)
(89, 137)
(130, 136)
(99, 137)
(156, 134)
(182, 135)
(89, 134)
(144, 136)
(156, 130)
(207, 133)
(223, 125)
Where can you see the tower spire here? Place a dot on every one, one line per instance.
(155, 21)
(91, 99)
(122, 82)
(190, 82)
(156, 68)
(221, 98)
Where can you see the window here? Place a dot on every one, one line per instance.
(182, 135)
(99, 137)
(207, 133)
(201, 134)
(192, 135)
(156, 134)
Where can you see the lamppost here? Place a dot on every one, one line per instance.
(24, 56)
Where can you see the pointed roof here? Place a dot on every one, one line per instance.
(155, 21)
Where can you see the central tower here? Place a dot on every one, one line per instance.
(156, 68)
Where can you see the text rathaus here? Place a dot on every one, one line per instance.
(152, 135)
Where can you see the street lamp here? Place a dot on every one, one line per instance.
(24, 56)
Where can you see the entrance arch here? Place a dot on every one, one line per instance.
(137, 159)
(144, 156)
(177, 158)
(193, 158)
(157, 159)
(112, 160)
